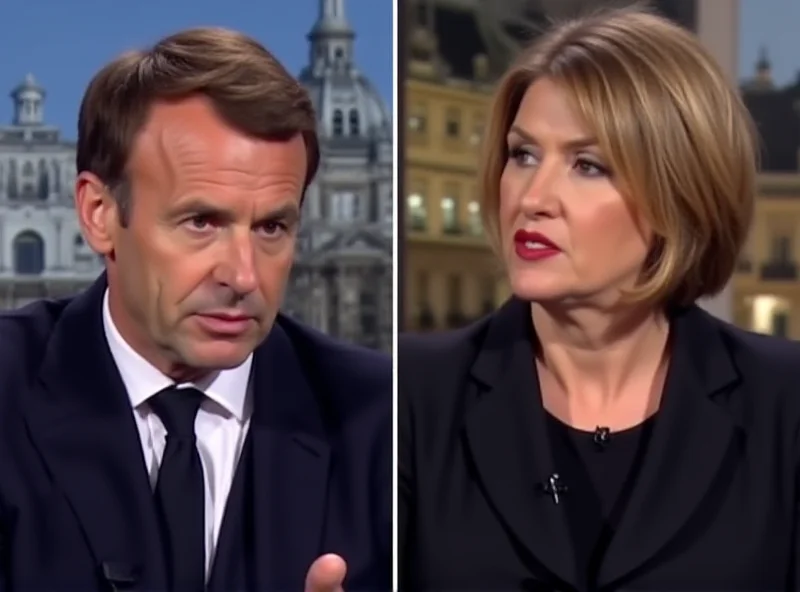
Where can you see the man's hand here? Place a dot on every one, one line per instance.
(326, 574)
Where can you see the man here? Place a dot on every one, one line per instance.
(168, 429)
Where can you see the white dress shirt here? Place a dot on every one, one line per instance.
(221, 424)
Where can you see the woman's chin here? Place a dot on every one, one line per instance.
(536, 287)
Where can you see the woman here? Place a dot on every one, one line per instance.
(600, 431)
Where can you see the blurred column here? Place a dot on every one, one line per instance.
(402, 8)
(718, 28)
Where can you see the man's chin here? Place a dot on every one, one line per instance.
(219, 354)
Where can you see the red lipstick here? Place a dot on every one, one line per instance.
(534, 246)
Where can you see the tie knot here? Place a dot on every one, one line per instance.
(177, 409)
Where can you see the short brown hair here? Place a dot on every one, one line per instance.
(247, 85)
(678, 137)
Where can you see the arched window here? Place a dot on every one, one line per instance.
(355, 128)
(28, 253)
(56, 176)
(13, 183)
(338, 123)
(44, 180)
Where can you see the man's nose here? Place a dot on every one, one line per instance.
(238, 270)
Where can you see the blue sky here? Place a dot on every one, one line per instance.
(64, 42)
(773, 24)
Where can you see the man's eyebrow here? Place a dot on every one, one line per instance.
(201, 207)
(198, 206)
(288, 211)
(284, 211)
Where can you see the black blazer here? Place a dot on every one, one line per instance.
(715, 506)
(76, 506)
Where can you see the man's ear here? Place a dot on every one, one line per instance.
(97, 213)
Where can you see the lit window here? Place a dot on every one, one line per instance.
(475, 224)
(417, 214)
(449, 215)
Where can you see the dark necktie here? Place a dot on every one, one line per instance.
(180, 491)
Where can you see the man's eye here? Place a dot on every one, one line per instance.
(273, 228)
(199, 222)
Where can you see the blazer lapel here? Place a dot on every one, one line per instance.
(81, 421)
(290, 466)
(507, 436)
(691, 442)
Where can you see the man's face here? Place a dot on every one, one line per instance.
(198, 275)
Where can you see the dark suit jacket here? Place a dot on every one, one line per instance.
(75, 502)
(715, 506)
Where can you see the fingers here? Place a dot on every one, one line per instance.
(326, 574)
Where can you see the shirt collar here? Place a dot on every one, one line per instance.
(228, 388)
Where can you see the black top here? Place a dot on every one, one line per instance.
(598, 469)
(714, 505)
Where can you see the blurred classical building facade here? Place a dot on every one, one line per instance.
(342, 280)
(42, 252)
(451, 276)
(456, 49)
(767, 284)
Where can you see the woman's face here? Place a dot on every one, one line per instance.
(567, 233)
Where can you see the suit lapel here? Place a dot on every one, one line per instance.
(691, 441)
(81, 421)
(507, 436)
(291, 457)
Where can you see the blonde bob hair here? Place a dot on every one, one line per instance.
(674, 130)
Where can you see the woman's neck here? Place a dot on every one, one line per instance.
(596, 357)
